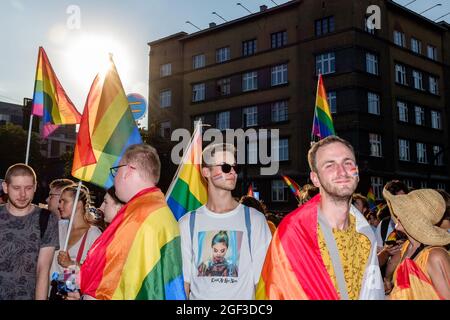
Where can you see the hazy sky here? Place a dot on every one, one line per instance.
(123, 27)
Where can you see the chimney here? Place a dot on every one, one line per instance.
(262, 8)
(212, 24)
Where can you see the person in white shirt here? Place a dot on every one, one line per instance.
(223, 243)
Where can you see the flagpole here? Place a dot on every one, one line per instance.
(27, 155)
(171, 186)
(74, 208)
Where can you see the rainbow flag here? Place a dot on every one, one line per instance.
(50, 101)
(292, 185)
(138, 257)
(250, 192)
(371, 199)
(323, 122)
(188, 190)
(107, 129)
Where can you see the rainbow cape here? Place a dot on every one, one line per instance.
(323, 122)
(107, 129)
(292, 185)
(188, 190)
(138, 256)
(50, 101)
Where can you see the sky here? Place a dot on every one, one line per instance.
(78, 34)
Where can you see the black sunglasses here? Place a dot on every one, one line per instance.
(226, 168)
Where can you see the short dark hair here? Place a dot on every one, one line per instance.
(20, 169)
(359, 196)
(322, 143)
(253, 203)
(394, 186)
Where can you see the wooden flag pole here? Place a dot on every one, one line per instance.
(74, 209)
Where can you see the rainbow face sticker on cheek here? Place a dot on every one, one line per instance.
(354, 171)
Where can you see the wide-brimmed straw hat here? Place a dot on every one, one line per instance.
(419, 211)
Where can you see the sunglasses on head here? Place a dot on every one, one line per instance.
(226, 168)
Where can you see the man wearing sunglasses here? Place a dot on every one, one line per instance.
(223, 242)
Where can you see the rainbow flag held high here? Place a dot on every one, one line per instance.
(323, 122)
(50, 101)
(295, 188)
(107, 129)
(138, 257)
(250, 192)
(188, 190)
(371, 199)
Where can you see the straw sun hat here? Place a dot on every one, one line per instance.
(419, 211)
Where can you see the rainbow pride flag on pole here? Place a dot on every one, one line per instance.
(107, 129)
(250, 192)
(188, 190)
(50, 101)
(323, 122)
(293, 186)
(138, 257)
(371, 199)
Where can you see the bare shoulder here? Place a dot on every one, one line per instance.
(438, 254)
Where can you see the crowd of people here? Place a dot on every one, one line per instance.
(333, 246)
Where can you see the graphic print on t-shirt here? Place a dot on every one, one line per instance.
(218, 253)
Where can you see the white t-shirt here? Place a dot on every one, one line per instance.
(223, 268)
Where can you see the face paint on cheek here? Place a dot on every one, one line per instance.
(354, 171)
(218, 176)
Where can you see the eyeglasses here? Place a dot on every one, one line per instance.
(114, 170)
(226, 168)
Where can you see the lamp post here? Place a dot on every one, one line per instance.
(436, 5)
(219, 16)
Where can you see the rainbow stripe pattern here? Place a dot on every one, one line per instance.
(138, 257)
(107, 129)
(323, 122)
(250, 192)
(50, 101)
(292, 185)
(188, 190)
(371, 199)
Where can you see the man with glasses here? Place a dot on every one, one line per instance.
(223, 242)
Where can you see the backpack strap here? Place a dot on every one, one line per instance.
(44, 215)
(248, 225)
(191, 231)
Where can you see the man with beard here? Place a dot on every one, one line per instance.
(28, 238)
(324, 250)
(223, 232)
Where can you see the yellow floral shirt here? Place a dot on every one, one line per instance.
(354, 250)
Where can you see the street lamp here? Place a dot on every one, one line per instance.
(240, 4)
(409, 3)
(436, 5)
(188, 22)
(219, 16)
(441, 16)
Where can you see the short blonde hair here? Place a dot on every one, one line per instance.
(146, 160)
(210, 151)
(20, 169)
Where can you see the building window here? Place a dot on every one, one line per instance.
(198, 92)
(198, 61)
(367, 28)
(399, 38)
(325, 63)
(252, 152)
(423, 184)
(433, 85)
(165, 98)
(222, 54)
(224, 86)
(432, 52)
(279, 75)
(438, 155)
(165, 70)
(416, 46)
(418, 83)
(373, 103)
(324, 26)
(375, 145)
(279, 191)
(377, 186)
(279, 111)
(283, 149)
(371, 63)
(436, 120)
(223, 120)
(250, 116)
(420, 115)
(400, 74)
(250, 81)
(421, 152)
(165, 129)
(440, 185)
(402, 111)
(249, 47)
(332, 102)
(278, 39)
(403, 150)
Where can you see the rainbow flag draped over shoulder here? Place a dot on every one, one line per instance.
(107, 129)
(323, 122)
(138, 257)
(371, 199)
(50, 101)
(188, 190)
(292, 185)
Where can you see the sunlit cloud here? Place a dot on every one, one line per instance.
(17, 4)
(57, 34)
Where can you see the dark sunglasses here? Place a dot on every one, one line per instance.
(226, 168)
